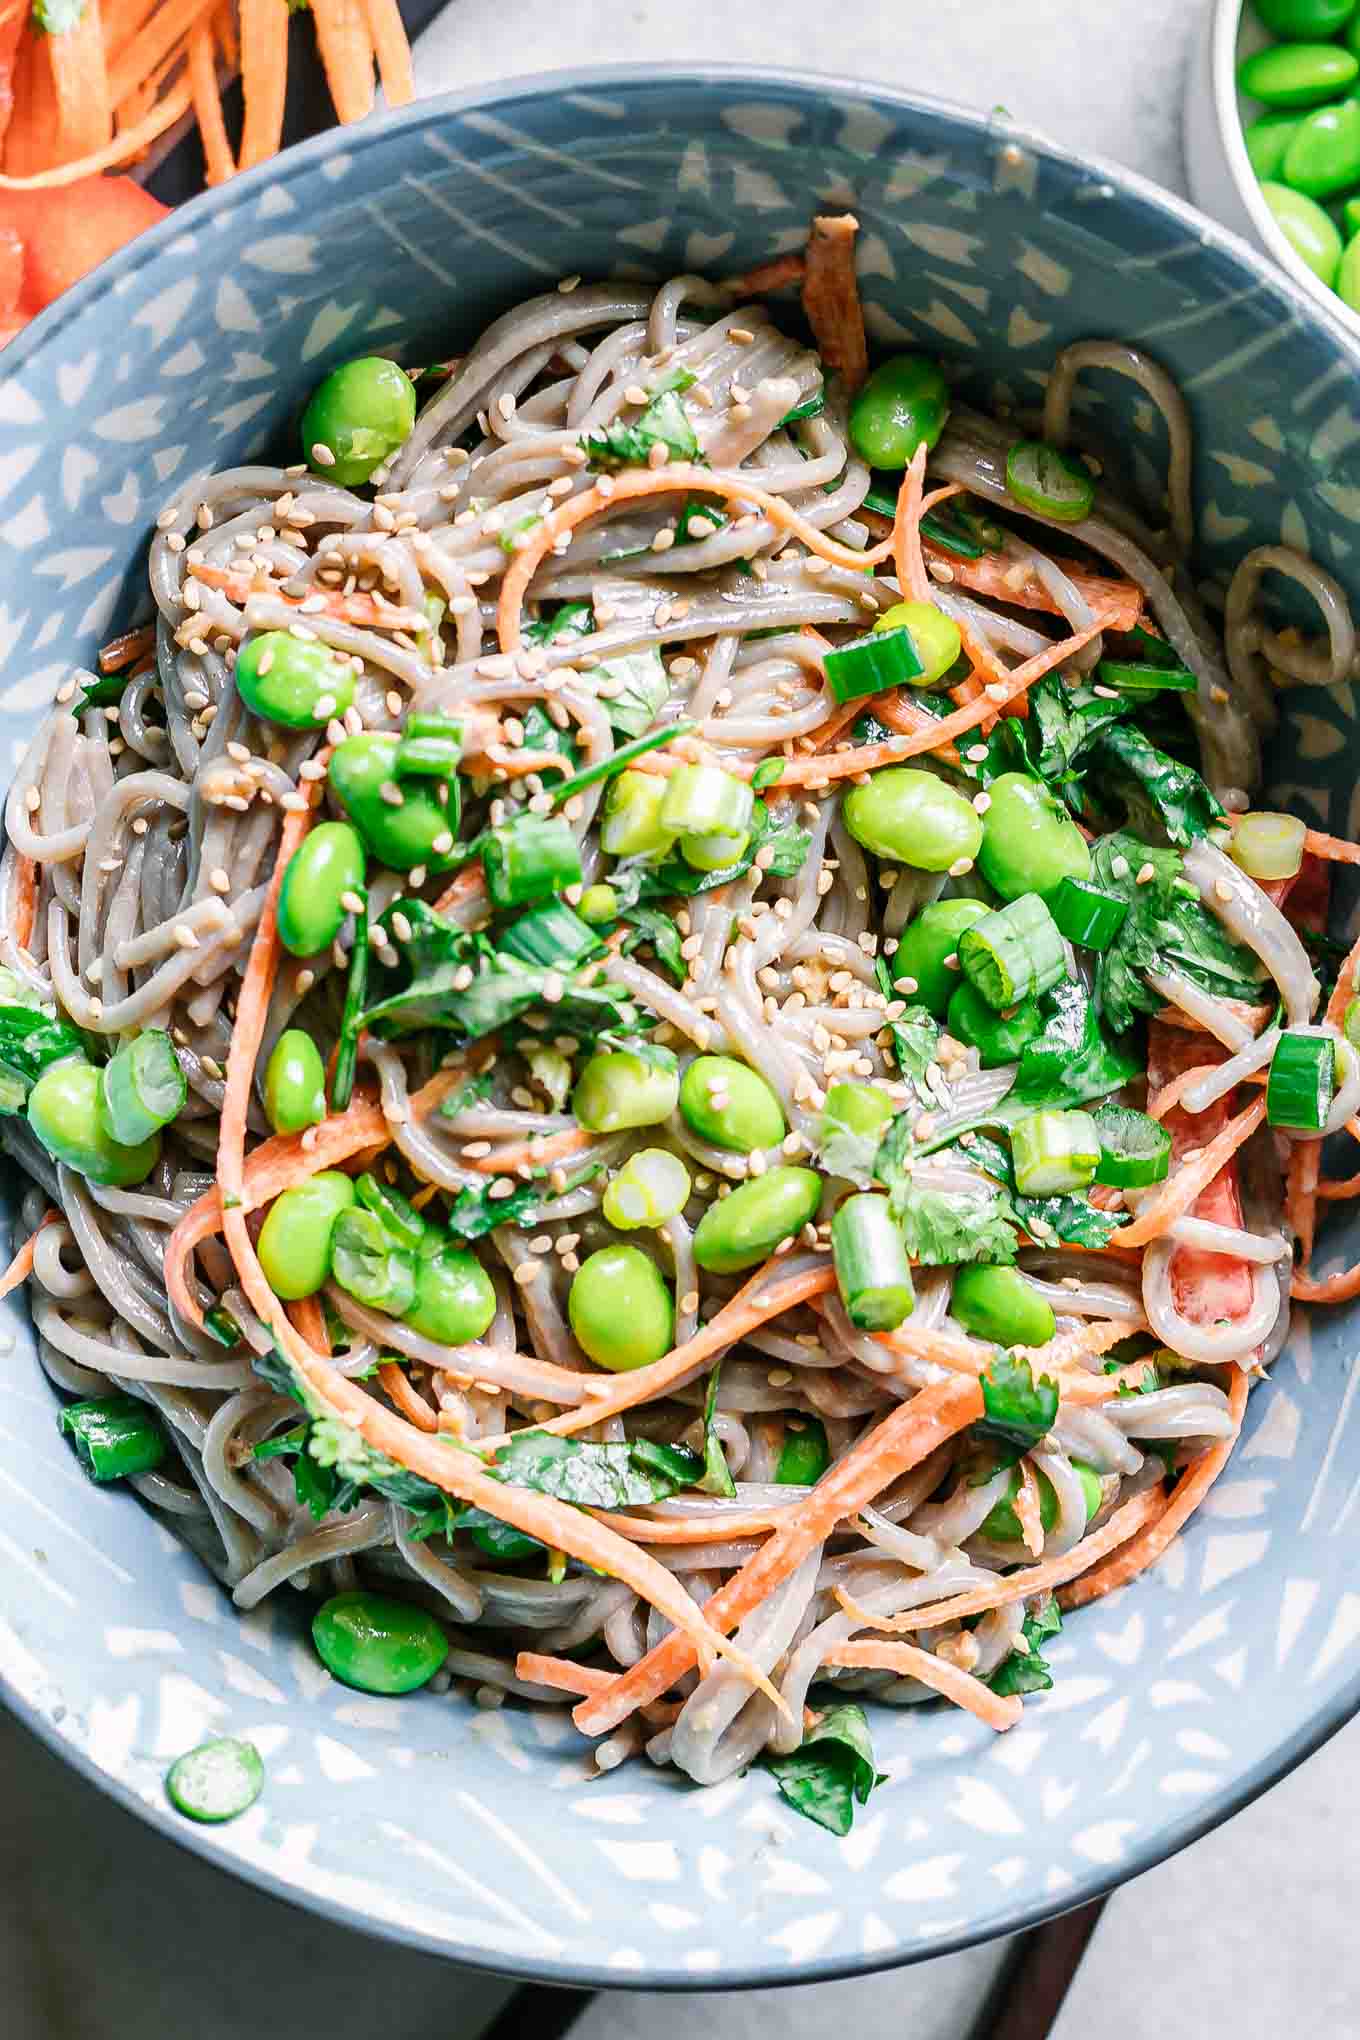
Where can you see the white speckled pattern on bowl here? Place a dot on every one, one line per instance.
(477, 1833)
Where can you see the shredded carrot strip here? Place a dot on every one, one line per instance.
(1147, 1547)
(1179, 1191)
(868, 1654)
(387, 33)
(33, 121)
(121, 651)
(1027, 1510)
(347, 54)
(1163, 1101)
(219, 163)
(80, 84)
(776, 274)
(370, 610)
(1300, 1198)
(905, 1437)
(264, 77)
(963, 1355)
(561, 1674)
(906, 535)
(404, 1395)
(991, 575)
(831, 298)
(1016, 1586)
(1338, 1288)
(546, 1148)
(691, 1529)
(123, 146)
(25, 900)
(1254, 1017)
(160, 37)
(21, 1267)
(1335, 848)
(310, 1320)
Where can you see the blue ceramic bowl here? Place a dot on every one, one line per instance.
(475, 1833)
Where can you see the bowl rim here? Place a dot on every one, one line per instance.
(1224, 27)
(1332, 1713)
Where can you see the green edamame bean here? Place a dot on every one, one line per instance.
(402, 833)
(805, 1455)
(903, 405)
(1002, 1304)
(1029, 841)
(618, 1090)
(997, 1038)
(1304, 20)
(1307, 229)
(920, 968)
(378, 1644)
(1267, 139)
(937, 637)
(295, 1083)
(357, 418)
(66, 1110)
(292, 681)
(621, 1310)
(1297, 74)
(599, 906)
(913, 818)
(857, 1108)
(1350, 1024)
(745, 1227)
(1323, 156)
(1348, 275)
(728, 1105)
(1002, 1524)
(1350, 218)
(327, 864)
(455, 1301)
(295, 1239)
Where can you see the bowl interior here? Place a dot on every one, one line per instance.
(474, 1831)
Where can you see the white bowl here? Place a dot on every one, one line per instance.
(1222, 181)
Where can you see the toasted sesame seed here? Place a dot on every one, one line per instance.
(322, 455)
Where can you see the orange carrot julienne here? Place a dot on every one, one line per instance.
(1012, 582)
(125, 145)
(160, 35)
(310, 1320)
(906, 1436)
(404, 1395)
(264, 77)
(388, 37)
(1150, 1543)
(546, 1148)
(1300, 1200)
(80, 84)
(1338, 1288)
(21, 1267)
(219, 163)
(121, 651)
(1335, 848)
(831, 299)
(1180, 1191)
(870, 1654)
(347, 54)
(25, 900)
(561, 1674)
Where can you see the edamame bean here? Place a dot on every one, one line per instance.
(620, 1309)
(805, 1455)
(376, 1643)
(745, 1227)
(66, 1110)
(400, 832)
(1267, 139)
(217, 1781)
(1002, 1304)
(1350, 218)
(1002, 1524)
(913, 818)
(857, 1109)
(357, 418)
(599, 905)
(455, 1301)
(1350, 1025)
(295, 1239)
(292, 681)
(728, 1105)
(921, 970)
(1304, 20)
(903, 405)
(328, 864)
(295, 1083)
(1307, 229)
(1029, 841)
(618, 1090)
(997, 1037)
(1297, 74)
(652, 1186)
(1323, 156)
(936, 637)
(1348, 275)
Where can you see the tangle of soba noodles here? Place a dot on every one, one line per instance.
(145, 835)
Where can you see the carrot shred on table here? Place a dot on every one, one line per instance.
(831, 298)
(951, 1681)
(218, 161)
(1154, 1538)
(21, 1267)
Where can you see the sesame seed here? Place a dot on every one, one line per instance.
(962, 865)
(1119, 867)
(33, 800)
(186, 937)
(568, 285)
(503, 1186)
(527, 1272)
(1222, 889)
(322, 455)
(219, 880)
(981, 802)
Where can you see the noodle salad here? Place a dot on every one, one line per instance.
(658, 1049)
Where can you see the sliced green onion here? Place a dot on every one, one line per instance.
(356, 993)
(1054, 1152)
(569, 620)
(872, 1269)
(1135, 1149)
(698, 506)
(431, 747)
(703, 800)
(222, 1325)
(551, 936)
(368, 1266)
(529, 858)
(1134, 678)
(599, 905)
(143, 1087)
(1268, 846)
(871, 664)
(944, 535)
(652, 1187)
(1302, 1081)
(114, 1436)
(618, 760)
(217, 1781)
(1143, 646)
(1086, 914)
(632, 817)
(397, 1215)
(935, 638)
(1044, 479)
(712, 853)
(811, 407)
(804, 1455)
(1014, 953)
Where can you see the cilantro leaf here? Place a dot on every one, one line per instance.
(717, 1478)
(568, 620)
(623, 1476)
(1154, 788)
(665, 422)
(274, 1369)
(466, 1096)
(941, 1228)
(643, 688)
(832, 1769)
(1070, 1062)
(1019, 1410)
(1167, 927)
(1025, 1670)
(915, 1037)
(474, 1213)
(542, 734)
(30, 1042)
(649, 924)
